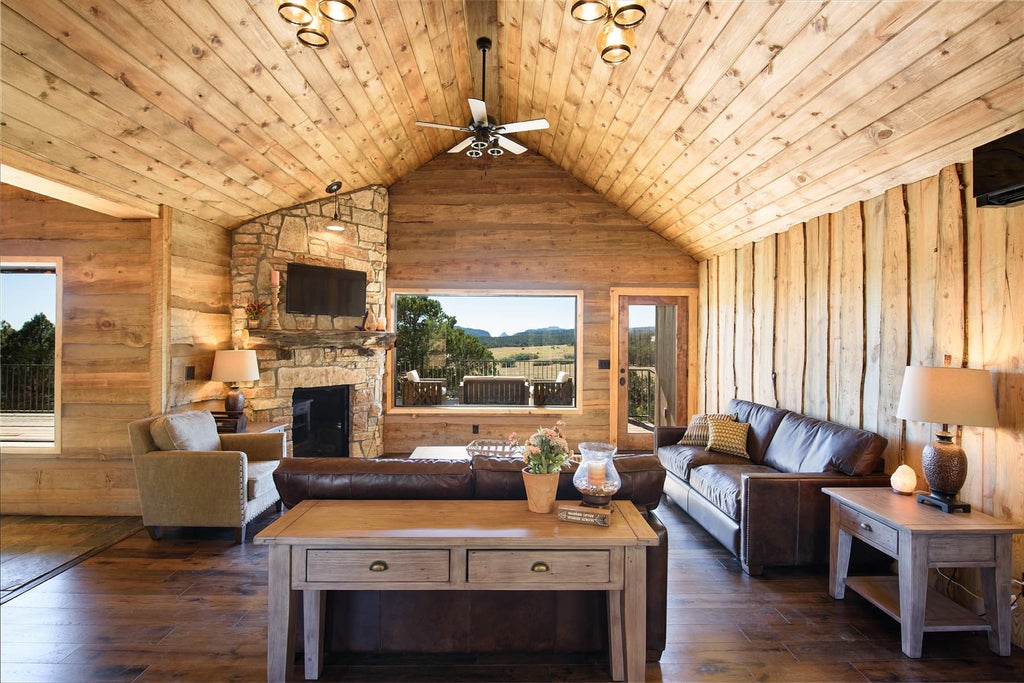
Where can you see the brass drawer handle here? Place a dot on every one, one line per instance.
(865, 526)
(378, 566)
(540, 567)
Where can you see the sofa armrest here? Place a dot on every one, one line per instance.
(785, 516)
(261, 446)
(192, 488)
(667, 435)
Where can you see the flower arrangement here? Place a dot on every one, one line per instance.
(254, 309)
(546, 450)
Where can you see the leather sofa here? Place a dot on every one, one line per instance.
(768, 509)
(474, 621)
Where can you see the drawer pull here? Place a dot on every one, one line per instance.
(540, 567)
(378, 566)
(865, 526)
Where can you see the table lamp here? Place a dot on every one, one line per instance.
(959, 396)
(234, 367)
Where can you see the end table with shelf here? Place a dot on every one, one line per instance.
(921, 537)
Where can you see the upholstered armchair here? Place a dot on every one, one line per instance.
(557, 392)
(422, 392)
(190, 475)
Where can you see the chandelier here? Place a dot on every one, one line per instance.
(311, 16)
(616, 39)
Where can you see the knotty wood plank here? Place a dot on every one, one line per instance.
(818, 283)
(790, 320)
(727, 340)
(744, 323)
(874, 241)
(764, 320)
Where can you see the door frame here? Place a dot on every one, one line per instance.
(691, 357)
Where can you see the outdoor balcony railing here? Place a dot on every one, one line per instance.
(26, 388)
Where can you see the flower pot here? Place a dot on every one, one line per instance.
(253, 323)
(540, 491)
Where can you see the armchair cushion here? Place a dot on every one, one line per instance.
(190, 431)
(260, 480)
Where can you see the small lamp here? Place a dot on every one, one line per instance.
(960, 396)
(234, 367)
(903, 480)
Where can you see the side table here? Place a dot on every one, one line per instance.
(922, 537)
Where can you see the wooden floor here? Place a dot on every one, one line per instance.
(193, 608)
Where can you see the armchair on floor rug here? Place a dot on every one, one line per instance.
(189, 475)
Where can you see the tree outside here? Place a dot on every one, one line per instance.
(27, 357)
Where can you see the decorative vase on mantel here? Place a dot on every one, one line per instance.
(541, 490)
(369, 321)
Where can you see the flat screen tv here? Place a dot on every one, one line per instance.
(316, 290)
(999, 171)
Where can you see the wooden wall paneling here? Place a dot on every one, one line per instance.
(713, 366)
(849, 401)
(728, 341)
(816, 380)
(895, 324)
(791, 320)
(764, 320)
(873, 211)
(703, 368)
(744, 354)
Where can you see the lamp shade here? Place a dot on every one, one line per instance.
(235, 366)
(959, 396)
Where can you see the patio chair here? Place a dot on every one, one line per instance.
(422, 392)
(494, 390)
(556, 392)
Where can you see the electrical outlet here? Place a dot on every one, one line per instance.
(190, 372)
(476, 429)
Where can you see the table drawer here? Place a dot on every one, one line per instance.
(376, 566)
(875, 532)
(539, 566)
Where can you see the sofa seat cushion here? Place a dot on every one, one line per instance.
(191, 431)
(721, 484)
(680, 460)
(260, 480)
(806, 444)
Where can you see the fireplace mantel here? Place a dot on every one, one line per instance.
(311, 339)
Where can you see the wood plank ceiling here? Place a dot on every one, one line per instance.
(731, 121)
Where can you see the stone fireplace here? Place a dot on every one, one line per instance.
(315, 351)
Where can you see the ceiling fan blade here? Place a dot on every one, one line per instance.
(510, 145)
(462, 145)
(479, 110)
(520, 126)
(429, 124)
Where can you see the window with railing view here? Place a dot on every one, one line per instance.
(29, 337)
(463, 350)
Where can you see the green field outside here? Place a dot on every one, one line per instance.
(556, 352)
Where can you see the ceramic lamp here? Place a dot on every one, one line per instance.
(945, 395)
(234, 367)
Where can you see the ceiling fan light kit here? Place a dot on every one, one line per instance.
(616, 39)
(312, 18)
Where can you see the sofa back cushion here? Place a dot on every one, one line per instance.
(191, 431)
(763, 421)
(372, 478)
(806, 444)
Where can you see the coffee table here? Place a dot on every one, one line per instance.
(322, 545)
(440, 453)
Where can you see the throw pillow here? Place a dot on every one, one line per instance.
(697, 431)
(728, 436)
(412, 376)
(188, 431)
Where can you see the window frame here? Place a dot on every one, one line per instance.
(483, 410)
(57, 263)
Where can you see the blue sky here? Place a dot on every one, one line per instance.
(511, 314)
(24, 295)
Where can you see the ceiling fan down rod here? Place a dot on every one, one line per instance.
(483, 44)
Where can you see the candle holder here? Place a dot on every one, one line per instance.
(275, 301)
(596, 477)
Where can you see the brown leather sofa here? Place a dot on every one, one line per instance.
(769, 510)
(474, 621)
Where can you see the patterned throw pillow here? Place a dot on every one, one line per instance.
(697, 431)
(728, 436)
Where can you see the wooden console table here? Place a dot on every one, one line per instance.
(921, 537)
(322, 545)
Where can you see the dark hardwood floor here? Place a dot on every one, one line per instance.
(193, 608)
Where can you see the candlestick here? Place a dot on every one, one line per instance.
(275, 291)
(275, 278)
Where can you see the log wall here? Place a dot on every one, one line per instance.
(519, 222)
(843, 303)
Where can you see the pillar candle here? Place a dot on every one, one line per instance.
(595, 474)
(275, 278)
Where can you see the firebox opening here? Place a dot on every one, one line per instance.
(321, 422)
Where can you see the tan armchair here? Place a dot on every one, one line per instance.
(190, 475)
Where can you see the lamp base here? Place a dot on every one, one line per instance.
(944, 503)
(234, 402)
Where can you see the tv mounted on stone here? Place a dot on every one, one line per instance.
(317, 290)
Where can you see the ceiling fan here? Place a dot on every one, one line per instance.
(485, 132)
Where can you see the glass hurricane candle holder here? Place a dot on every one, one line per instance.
(596, 477)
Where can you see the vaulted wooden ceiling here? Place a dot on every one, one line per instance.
(731, 120)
